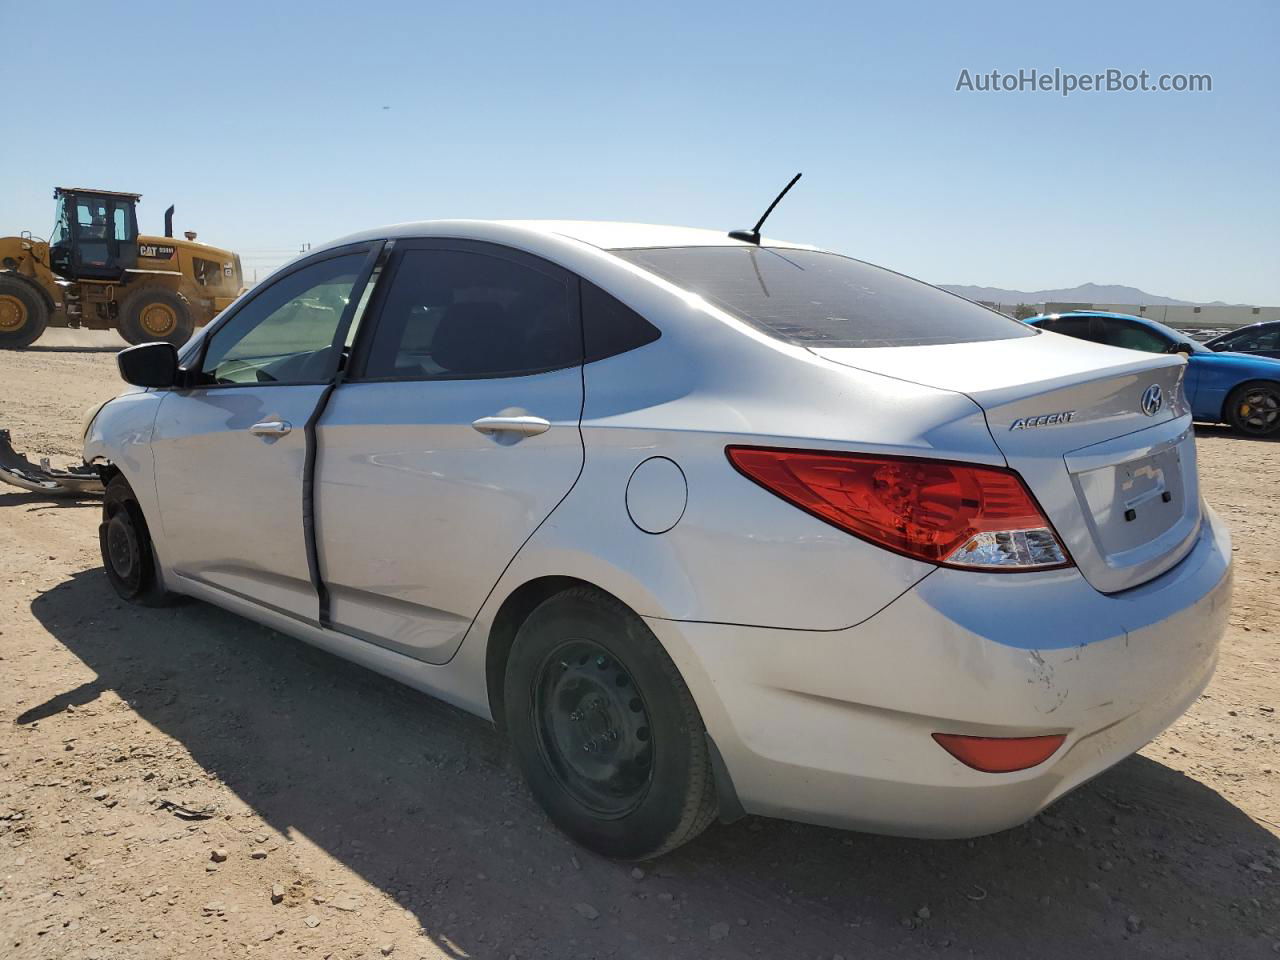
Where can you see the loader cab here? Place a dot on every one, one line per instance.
(95, 236)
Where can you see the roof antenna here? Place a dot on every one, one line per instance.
(753, 235)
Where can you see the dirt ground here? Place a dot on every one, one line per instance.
(384, 822)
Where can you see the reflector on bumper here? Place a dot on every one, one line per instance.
(1000, 754)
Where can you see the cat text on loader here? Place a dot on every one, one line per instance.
(97, 272)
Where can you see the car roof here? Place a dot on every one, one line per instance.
(1249, 326)
(603, 234)
(612, 235)
(1147, 322)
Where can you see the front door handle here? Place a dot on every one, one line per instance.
(271, 428)
(521, 426)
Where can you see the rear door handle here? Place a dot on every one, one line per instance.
(271, 428)
(523, 426)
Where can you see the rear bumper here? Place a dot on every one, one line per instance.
(834, 727)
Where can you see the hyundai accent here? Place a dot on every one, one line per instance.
(708, 524)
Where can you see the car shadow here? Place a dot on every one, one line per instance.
(71, 348)
(14, 497)
(424, 802)
(1230, 433)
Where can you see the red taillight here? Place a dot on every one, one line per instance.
(956, 514)
(1000, 754)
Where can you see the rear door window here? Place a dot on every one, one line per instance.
(818, 299)
(460, 314)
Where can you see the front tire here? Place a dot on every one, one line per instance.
(127, 552)
(24, 315)
(1254, 409)
(153, 315)
(605, 730)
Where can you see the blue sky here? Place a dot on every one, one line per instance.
(264, 124)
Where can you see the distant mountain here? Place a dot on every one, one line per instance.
(1085, 293)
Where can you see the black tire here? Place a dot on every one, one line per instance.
(127, 552)
(24, 314)
(605, 730)
(1254, 408)
(155, 314)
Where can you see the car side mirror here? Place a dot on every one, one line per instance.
(149, 365)
(1182, 347)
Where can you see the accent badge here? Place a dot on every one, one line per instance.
(1044, 420)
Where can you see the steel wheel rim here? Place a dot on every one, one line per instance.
(1258, 411)
(158, 319)
(123, 550)
(593, 729)
(13, 313)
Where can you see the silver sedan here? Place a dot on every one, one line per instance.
(708, 524)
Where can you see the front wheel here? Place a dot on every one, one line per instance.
(605, 730)
(1254, 409)
(127, 553)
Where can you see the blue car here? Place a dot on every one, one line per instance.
(1240, 389)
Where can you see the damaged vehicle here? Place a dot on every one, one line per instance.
(707, 523)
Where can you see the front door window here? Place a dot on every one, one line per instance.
(286, 333)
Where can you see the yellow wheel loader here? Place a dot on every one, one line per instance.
(97, 272)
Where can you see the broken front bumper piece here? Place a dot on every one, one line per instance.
(16, 469)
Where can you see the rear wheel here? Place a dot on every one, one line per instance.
(1254, 409)
(127, 553)
(157, 314)
(24, 315)
(605, 730)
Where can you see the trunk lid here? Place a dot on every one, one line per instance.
(1114, 472)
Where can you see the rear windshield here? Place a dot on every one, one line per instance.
(819, 299)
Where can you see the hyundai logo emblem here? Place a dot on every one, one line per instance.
(1152, 400)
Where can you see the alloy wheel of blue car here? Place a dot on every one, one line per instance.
(1255, 409)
